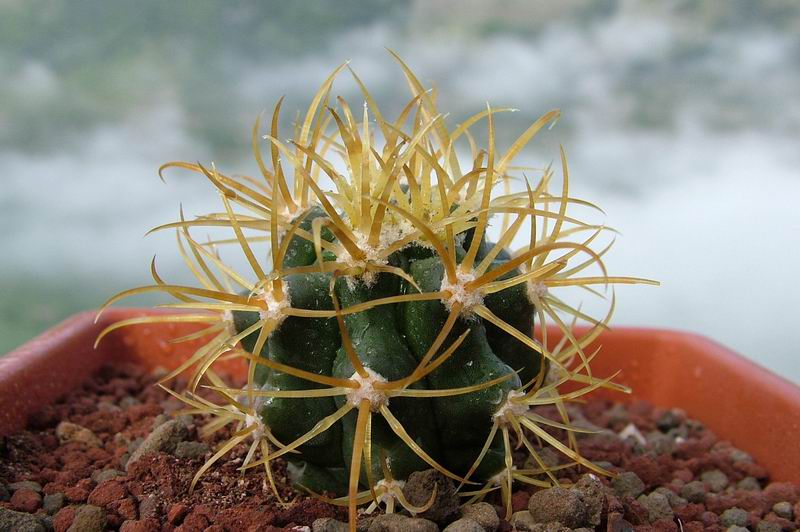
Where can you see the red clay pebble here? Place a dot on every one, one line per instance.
(635, 512)
(63, 519)
(307, 510)
(752, 501)
(616, 523)
(750, 469)
(176, 514)
(144, 525)
(194, 521)
(781, 491)
(519, 501)
(126, 508)
(106, 493)
(76, 494)
(709, 518)
(26, 500)
(689, 512)
(664, 525)
(784, 523)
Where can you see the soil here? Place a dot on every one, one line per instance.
(68, 468)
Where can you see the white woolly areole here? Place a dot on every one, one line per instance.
(500, 478)
(535, 290)
(275, 309)
(427, 244)
(394, 229)
(459, 292)
(227, 319)
(250, 420)
(516, 408)
(366, 390)
(553, 374)
(388, 486)
(285, 215)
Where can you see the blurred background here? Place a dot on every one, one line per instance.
(680, 118)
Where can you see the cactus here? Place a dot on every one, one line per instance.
(388, 332)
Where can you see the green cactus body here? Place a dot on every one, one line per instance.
(309, 344)
(380, 346)
(513, 306)
(390, 340)
(473, 362)
(317, 339)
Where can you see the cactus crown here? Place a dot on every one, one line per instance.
(387, 333)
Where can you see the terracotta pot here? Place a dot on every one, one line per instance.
(756, 410)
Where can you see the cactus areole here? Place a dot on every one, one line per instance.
(385, 330)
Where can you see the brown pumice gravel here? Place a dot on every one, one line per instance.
(113, 456)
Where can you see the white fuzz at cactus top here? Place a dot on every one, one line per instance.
(366, 390)
(515, 408)
(459, 292)
(275, 309)
(371, 256)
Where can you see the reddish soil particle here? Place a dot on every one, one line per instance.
(752, 501)
(690, 512)
(144, 525)
(614, 505)
(242, 518)
(196, 520)
(63, 519)
(709, 518)
(106, 493)
(76, 494)
(176, 514)
(309, 510)
(617, 523)
(634, 513)
(125, 508)
(784, 523)
(519, 500)
(781, 491)
(683, 475)
(652, 472)
(664, 525)
(26, 500)
(750, 469)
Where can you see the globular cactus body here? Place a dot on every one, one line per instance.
(391, 340)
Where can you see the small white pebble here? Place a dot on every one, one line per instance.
(631, 430)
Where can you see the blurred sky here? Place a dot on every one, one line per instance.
(681, 119)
